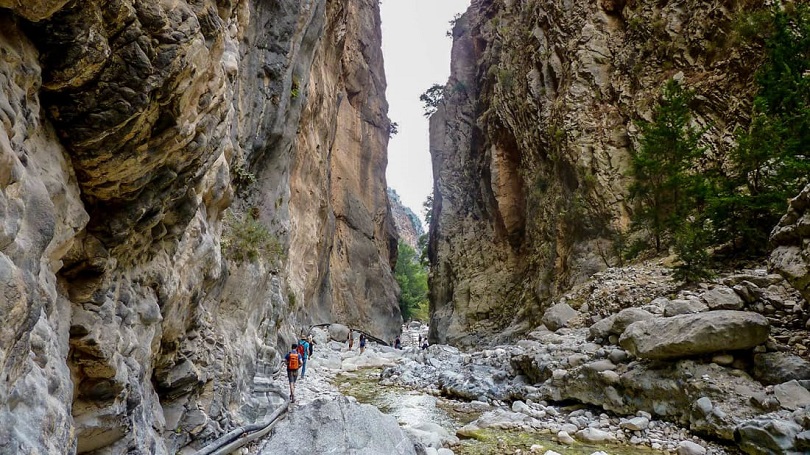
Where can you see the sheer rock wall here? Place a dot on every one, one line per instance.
(531, 143)
(128, 128)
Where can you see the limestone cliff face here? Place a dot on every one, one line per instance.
(138, 138)
(531, 143)
(409, 228)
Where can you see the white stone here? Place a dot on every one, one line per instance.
(690, 448)
(564, 438)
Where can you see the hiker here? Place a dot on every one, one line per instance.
(293, 361)
(362, 342)
(424, 344)
(303, 349)
(350, 339)
(311, 342)
(397, 343)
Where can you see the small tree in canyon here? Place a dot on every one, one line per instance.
(412, 279)
(770, 163)
(664, 189)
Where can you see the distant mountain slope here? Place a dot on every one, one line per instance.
(408, 225)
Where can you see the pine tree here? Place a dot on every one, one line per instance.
(664, 188)
(770, 163)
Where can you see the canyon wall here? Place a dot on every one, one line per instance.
(531, 143)
(184, 188)
(409, 227)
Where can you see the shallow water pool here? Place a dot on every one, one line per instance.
(414, 408)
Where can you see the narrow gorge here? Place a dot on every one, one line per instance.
(189, 186)
(186, 187)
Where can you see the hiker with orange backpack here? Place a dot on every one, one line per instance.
(293, 361)
(303, 349)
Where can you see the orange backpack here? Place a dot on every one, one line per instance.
(293, 363)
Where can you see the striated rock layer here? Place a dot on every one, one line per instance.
(409, 227)
(531, 143)
(184, 187)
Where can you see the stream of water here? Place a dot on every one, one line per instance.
(413, 408)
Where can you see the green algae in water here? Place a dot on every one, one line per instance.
(410, 406)
(490, 441)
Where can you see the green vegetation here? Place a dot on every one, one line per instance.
(427, 209)
(735, 206)
(246, 239)
(241, 177)
(412, 279)
(770, 163)
(432, 98)
(393, 129)
(664, 189)
(691, 242)
(295, 89)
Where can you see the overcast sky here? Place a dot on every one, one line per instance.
(417, 55)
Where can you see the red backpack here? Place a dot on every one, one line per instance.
(301, 350)
(293, 363)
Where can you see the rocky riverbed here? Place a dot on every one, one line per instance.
(574, 388)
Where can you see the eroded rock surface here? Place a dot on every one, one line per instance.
(184, 187)
(338, 426)
(531, 143)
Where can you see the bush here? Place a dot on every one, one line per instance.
(690, 245)
(245, 238)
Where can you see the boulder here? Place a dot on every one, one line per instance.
(767, 436)
(635, 424)
(778, 367)
(338, 332)
(695, 334)
(722, 298)
(558, 316)
(690, 448)
(338, 426)
(617, 323)
(594, 435)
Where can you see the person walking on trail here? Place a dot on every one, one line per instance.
(397, 343)
(303, 349)
(293, 361)
(362, 342)
(350, 338)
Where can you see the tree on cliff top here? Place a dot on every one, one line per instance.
(431, 99)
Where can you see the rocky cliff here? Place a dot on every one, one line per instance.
(531, 142)
(184, 186)
(409, 228)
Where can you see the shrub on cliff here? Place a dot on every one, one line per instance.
(245, 238)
